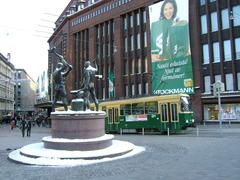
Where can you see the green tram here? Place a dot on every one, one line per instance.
(152, 113)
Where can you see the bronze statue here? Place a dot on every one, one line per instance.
(59, 74)
(87, 85)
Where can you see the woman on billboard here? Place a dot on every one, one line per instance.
(169, 38)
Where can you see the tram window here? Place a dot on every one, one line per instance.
(125, 109)
(104, 108)
(174, 112)
(151, 107)
(110, 116)
(138, 108)
(164, 112)
(185, 105)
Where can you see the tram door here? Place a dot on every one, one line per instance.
(174, 117)
(164, 114)
(113, 118)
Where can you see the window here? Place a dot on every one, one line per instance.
(126, 90)
(146, 88)
(138, 19)
(225, 19)
(216, 52)
(145, 39)
(138, 41)
(145, 65)
(205, 54)
(174, 114)
(125, 22)
(138, 108)
(202, 2)
(104, 94)
(207, 84)
(126, 44)
(238, 81)
(139, 65)
(125, 109)
(218, 78)
(139, 89)
(133, 90)
(133, 66)
(125, 67)
(229, 82)
(204, 24)
(131, 21)
(236, 15)
(214, 22)
(144, 17)
(151, 107)
(132, 43)
(227, 50)
(237, 48)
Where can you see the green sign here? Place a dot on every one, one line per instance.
(170, 48)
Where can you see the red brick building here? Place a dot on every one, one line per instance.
(117, 34)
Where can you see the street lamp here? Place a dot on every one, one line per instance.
(218, 87)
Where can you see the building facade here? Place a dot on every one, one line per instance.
(6, 86)
(117, 33)
(25, 92)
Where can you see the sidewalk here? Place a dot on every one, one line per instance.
(175, 157)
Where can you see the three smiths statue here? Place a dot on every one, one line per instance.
(87, 86)
(59, 74)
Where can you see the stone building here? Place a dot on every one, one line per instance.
(25, 92)
(6, 85)
(117, 33)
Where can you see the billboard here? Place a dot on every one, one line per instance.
(42, 86)
(170, 48)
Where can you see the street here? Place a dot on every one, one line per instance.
(205, 153)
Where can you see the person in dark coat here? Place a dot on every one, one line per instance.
(29, 126)
(23, 127)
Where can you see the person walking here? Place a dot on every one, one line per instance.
(29, 126)
(23, 126)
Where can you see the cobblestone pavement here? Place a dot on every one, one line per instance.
(212, 155)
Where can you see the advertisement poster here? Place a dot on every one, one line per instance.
(170, 48)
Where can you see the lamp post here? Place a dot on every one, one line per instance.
(218, 87)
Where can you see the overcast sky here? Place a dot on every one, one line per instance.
(25, 26)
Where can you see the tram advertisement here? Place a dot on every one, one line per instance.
(170, 48)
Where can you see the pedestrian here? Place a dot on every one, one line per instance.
(12, 124)
(29, 126)
(23, 126)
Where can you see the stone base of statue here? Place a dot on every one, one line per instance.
(78, 137)
(78, 130)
